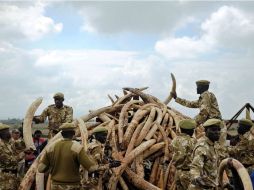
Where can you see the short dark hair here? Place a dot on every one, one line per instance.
(68, 134)
(187, 131)
(38, 132)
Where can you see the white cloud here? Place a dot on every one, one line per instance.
(226, 28)
(25, 22)
(182, 48)
(229, 27)
(133, 16)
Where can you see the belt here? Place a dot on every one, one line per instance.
(13, 171)
(185, 169)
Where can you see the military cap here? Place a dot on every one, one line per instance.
(212, 122)
(187, 124)
(202, 82)
(3, 126)
(100, 130)
(246, 122)
(67, 126)
(232, 131)
(58, 95)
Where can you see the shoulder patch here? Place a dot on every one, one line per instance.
(76, 147)
(67, 106)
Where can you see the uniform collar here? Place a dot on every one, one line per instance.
(209, 141)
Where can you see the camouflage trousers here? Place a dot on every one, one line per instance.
(194, 187)
(182, 179)
(65, 187)
(8, 181)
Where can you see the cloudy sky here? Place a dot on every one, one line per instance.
(88, 50)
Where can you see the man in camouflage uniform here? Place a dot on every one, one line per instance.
(101, 153)
(9, 160)
(57, 114)
(182, 147)
(19, 147)
(207, 103)
(203, 169)
(244, 149)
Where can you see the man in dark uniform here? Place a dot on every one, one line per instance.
(9, 160)
(64, 158)
(57, 114)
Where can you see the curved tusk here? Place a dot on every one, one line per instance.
(27, 125)
(83, 132)
(173, 89)
(242, 172)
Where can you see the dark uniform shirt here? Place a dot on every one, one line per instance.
(64, 159)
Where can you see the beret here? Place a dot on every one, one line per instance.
(58, 95)
(67, 126)
(246, 122)
(3, 126)
(187, 124)
(100, 130)
(202, 82)
(232, 132)
(212, 122)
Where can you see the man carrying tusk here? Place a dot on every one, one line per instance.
(207, 103)
(57, 114)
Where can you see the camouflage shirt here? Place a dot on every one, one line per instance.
(205, 162)
(243, 151)
(182, 147)
(96, 150)
(56, 116)
(8, 157)
(208, 105)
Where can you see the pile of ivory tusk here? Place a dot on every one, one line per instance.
(140, 129)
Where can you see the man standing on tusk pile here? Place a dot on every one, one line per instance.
(207, 103)
(57, 114)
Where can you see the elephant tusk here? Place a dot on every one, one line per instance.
(173, 89)
(27, 126)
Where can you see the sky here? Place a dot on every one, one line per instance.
(89, 49)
